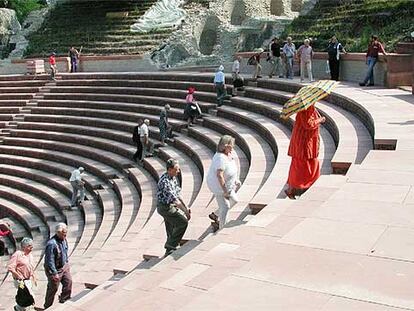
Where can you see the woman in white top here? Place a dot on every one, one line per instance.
(223, 179)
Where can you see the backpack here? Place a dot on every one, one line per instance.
(135, 134)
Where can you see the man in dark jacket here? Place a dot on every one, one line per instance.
(57, 266)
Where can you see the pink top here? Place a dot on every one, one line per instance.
(305, 53)
(21, 265)
(189, 98)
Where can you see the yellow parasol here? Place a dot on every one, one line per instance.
(308, 96)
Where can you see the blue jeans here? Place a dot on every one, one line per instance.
(370, 73)
(289, 67)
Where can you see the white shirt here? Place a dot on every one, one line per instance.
(75, 176)
(236, 66)
(229, 167)
(143, 130)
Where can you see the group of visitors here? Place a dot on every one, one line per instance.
(222, 180)
(56, 266)
(282, 58)
(73, 55)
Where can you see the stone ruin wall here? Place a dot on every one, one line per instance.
(212, 35)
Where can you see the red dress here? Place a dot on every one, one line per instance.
(304, 149)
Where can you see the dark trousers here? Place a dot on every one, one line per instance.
(334, 69)
(52, 286)
(138, 154)
(175, 225)
(73, 65)
(221, 93)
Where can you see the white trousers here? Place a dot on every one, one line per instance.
(308, 67)
(224, 206)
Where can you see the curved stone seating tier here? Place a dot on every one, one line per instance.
(13, 103)
(126, 110)
(16, 96)
(23, 83)
(121, 150)
(23, 78)
(61, 151)
(159, 84)
(126, 208)
(126, 102)
(32, 159)
(52, 210)
(131, 94)
(351, 148)
(19, 89)
(162, 76)
(109, 114)
(53, 190)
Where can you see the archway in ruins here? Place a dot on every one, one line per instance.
(208, 38)
(277, 8)
(239, 13)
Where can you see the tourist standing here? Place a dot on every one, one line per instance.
(305, 55)
(220, 85)
(74, 56)
(78, 187)
(374, 48)
(289, 51)
(57, 267)
(144, 137)
(136, 138)
(172, 207)
(22, 266)
(223, 180)
(256, 63)
(304, 150)
(235, 74)
(334, 51)
(52, 64)
(275, 58)
(163, 125)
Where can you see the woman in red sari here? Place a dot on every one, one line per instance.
(304, 150)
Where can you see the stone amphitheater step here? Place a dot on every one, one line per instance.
(13, 103)
(120, 149)
(137, 105)
(51, 196)
(16, 96)
(107, 114)
(61, 151)
(50, 167)
(154, 227)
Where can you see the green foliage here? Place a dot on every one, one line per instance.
(353, 22)
(22, 7)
